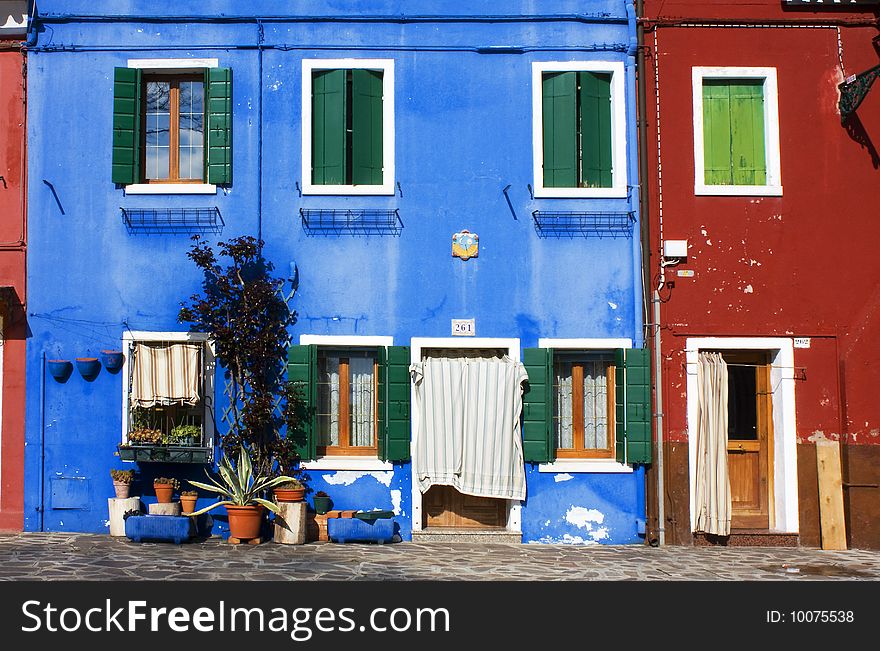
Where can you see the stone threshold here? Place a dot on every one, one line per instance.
(467, 535)
(748, 538)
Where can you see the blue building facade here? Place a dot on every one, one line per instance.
(357, 140)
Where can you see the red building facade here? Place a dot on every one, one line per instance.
(13, 205)
(751, 162)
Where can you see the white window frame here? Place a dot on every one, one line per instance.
(208, 368)
(585, 465)
(784, 500)
(336, 462)
(618, 187)
(181, 66)
(514, 507)
(773, 185)
(387, 68)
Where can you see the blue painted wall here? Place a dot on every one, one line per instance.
(464, 133)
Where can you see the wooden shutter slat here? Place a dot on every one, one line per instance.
(595, 120)
(747, 132)
(218, 110)
(559, 111)
(328, 127)
(397, 430)
(126, 125)
(717, 156)
(538, 440)
(366, 120)
(633, 405)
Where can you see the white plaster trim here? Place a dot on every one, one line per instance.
(181, 65)
(585, 465)
(209, 368)
(345, 340)
(387, 68)
(514, 507)
(171, 188)
(347, 463)
(618, 129)
(773, 185)
(586, 344)
(785, 496)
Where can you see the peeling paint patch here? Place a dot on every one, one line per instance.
(276, 85)
(582, 517)
(613, 305)
(748, 289)
(348, 477)
(599, 534)
(566, 539)
(395, 501)
(562, 477)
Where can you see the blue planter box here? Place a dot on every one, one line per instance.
(168, 528)
(343, 530)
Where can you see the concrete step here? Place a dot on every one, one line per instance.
(748, 538)
(466, 535)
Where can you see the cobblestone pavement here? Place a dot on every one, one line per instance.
(62, 556)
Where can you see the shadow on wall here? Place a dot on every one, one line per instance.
(856, 130)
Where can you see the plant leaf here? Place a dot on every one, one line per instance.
(209, 487)
(208, 508)
(269, 505)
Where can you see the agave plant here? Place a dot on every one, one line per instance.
(239, 485)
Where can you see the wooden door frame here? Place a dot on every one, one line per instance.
(417, 344)
(784, 496)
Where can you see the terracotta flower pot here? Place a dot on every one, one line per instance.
(188, 503)
(122, 489)
(245, 522)
(163, 492)
(289, 494)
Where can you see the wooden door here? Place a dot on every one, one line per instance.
(749, 438)
(445, 507)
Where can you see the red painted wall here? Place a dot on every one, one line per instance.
(12, 274)
(801, 265)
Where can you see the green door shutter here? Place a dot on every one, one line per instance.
(218, 82)
(747, 132)
(717, 155)
(328, 127)
(595, 89)
(394, 404)
(633, 405)
(538, 442)
(559, 90)
(302, 370)
(366, 127)
(126, 125)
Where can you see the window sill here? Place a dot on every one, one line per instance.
(171, 188)
(347, 463)
(343, 190)
(580, 193)
(738, 190)
(585, 466)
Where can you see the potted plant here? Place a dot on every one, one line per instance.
(290, 491)
(144, 436)
(322, 502)
(188, 501)
(183, 435)
(165, 487)
(122, 482)
(242, 490)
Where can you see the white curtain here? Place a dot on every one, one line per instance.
(328, 403)
(362, 401)
(595, 406)
(563, 405)
(468, 434)
(166, 374)
(712, 495)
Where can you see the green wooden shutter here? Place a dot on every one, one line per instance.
(538, 440)
(328, 127)
(302, 369)
(559, 110)
(366, 127)
(747, 132)
(595, 120)
(126, 125)
(218, 85)
(717, 155)
(394, 409)
(632, 396)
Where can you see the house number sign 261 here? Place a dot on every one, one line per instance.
(463, 328)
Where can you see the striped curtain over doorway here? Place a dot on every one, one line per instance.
(712, 495)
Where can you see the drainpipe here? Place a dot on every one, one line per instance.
(260, 132)
(645, 233)
(42, 438)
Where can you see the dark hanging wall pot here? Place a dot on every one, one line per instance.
(60, 369)
(88, 367)
(112, 360)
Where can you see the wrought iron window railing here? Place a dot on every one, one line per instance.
(583, 224)
(351, 221)
(172, 220)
